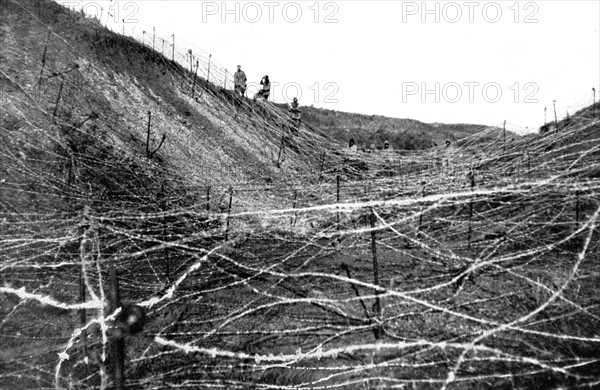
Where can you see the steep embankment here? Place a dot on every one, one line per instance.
(79, 102)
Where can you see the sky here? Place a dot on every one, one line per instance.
(481, 62)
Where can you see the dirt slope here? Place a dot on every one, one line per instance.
(74, 92)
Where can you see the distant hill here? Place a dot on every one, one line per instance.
(367, 130)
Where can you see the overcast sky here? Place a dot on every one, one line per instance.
(454, 62)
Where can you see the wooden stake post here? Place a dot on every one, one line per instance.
(117, 343)
(294, 207)
(84, 227)
(228, 213)
(148, 134)
(173, 51)
(195, 77)
(377, 330)
(472, 180)
(338, 201)
(208, 202)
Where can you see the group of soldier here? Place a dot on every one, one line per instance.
(353, 148)
(240, 80)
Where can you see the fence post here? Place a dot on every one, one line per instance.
(281, 147)
(338, 201)
(117, 339)
(555, 117)
(422, 210)
(173, 52)
(594, 102)
(43, 61)
(228, 213)
(208, 202)
(84, 228)
(504, 137)
(377, 330)
(195, 76)
(293, 207)
(577, 207)
(165, 237)
(472, 180)
(148, 134)
(208, 73)
(322, 165)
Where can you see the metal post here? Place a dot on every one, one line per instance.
(338, 201)
(195, 76)
(281, 147)
(422, 209)
(293, 207)
(148, 134)
(117, 339)
(594, 103)
(504, 135)
(173, 52)
(577, 207)
(377, 331)
(555, 117)
(472, 179)
(322, 165)
(208, 74)
(208, 202)
(229, 213)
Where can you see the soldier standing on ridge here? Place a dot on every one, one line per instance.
(388, 159)
(295, 113)
(448, 151)
(239, 80)
(352, 148)
(265, 91)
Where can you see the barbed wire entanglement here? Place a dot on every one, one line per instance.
(468, 266)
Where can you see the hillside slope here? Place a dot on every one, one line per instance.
(406, 134)
(74, 88)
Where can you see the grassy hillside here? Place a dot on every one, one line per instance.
(405, 134)
(73, 87)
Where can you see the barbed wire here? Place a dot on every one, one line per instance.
(485, 252)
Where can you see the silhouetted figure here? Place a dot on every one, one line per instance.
(265, 90)
(239, 81)
(352, 146)
(295, 113)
